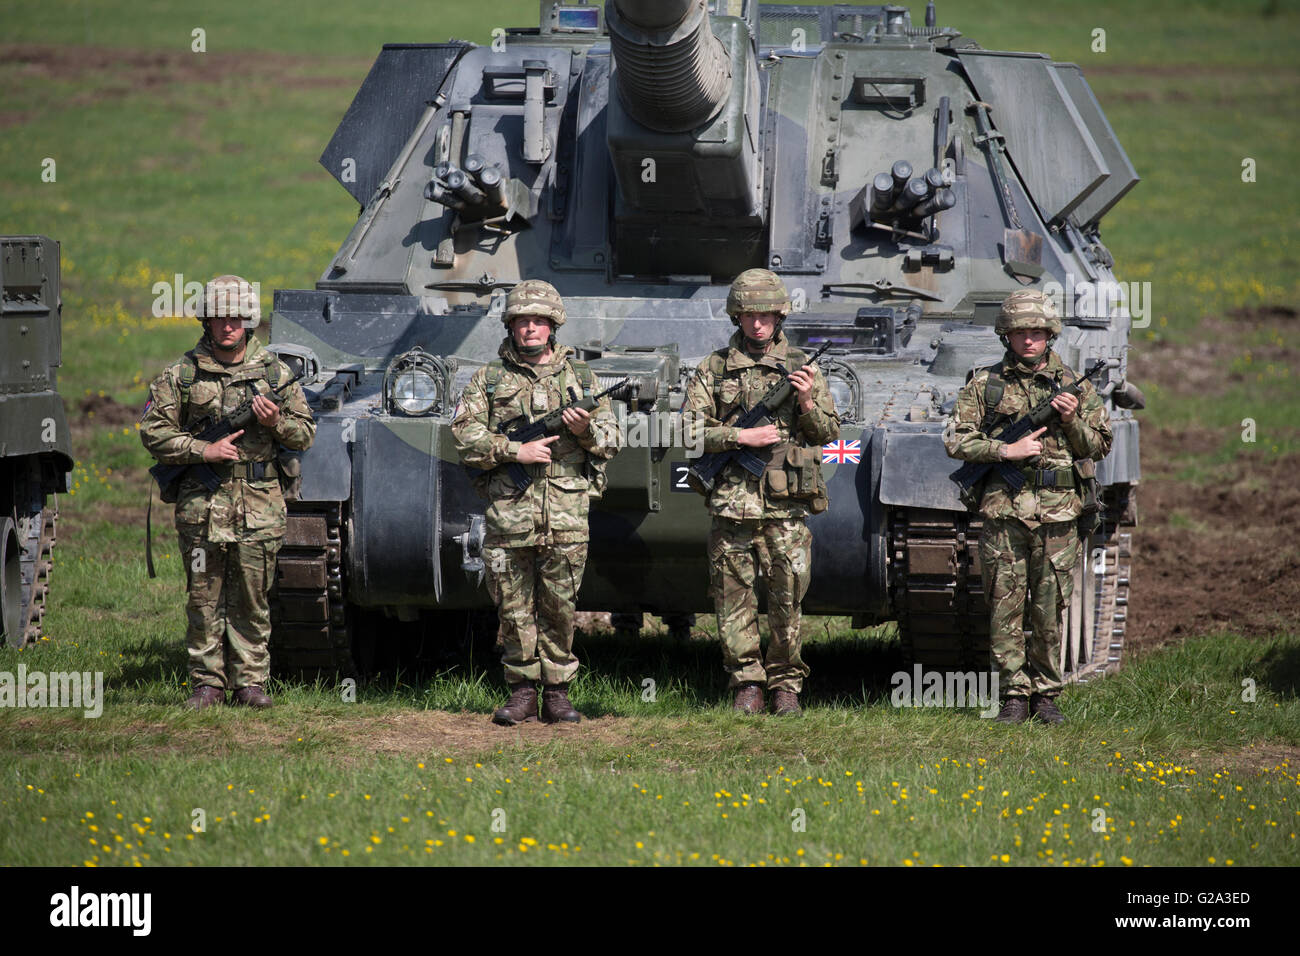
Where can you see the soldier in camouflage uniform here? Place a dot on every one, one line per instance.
(535, 547)
(1030, 543)
(759, 523)
(229, 538)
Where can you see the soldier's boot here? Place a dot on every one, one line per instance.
(556, 705)
(521, 706)
(205, 697)
(252, 696)
(1015, 710)
(1045, 709)
(749, 699)
(785, 703)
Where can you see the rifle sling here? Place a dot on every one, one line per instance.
(148, 536)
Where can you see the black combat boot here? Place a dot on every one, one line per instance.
(556, 705)
(1045, 709)
(521, 706)
(1015, 710)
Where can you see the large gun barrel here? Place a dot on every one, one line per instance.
(673, 73)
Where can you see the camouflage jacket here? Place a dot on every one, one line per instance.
(241, 509)
(553, 510)
(1087, 437)
(730, 379)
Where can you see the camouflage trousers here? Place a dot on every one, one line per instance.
(781, 550)
(1023, 566)
(535, 590)
(228, 611)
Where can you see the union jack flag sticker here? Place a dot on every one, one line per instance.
(841, 452)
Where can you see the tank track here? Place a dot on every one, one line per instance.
(37, 534)
(934, 579)
(936, 590)
(1109, 571)
(310, 637)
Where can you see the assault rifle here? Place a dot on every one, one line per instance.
(704, 473)
(971, 472)
(520, 429)
(211, 428)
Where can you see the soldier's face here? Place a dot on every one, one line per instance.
(226, 331)
(1029, 343)
(530, 330)
(759, 326)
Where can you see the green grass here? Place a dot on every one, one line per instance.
(1182, 770)
(203, 166)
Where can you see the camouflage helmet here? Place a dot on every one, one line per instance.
(1027, 309)
(534, 297)
(757, 290)
(230, 296)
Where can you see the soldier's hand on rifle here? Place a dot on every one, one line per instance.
(223, 450)
(537, 452)
(1067, 405)
(802, 380)
(267, 412)
(1027, 447)
(578, 420)
(758, 437)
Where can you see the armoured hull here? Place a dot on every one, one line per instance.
(35, 445)
(533, 159)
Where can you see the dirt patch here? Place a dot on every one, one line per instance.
(1253, 759)
(1261, 314)
(1154, 96)
(1168, 69)
(107, 74)
(419, 734)
(116, 72)
(106, 410)
(1223, 556)
(438, 732)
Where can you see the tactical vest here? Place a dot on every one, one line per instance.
(1085, 470)
(597, 480)
(794, 470)
(189, 371)
(994, 388)
(288, 464)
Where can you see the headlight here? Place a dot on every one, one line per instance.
(417, 383)
(415, 391)
(843, 385)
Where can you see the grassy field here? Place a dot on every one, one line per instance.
(174, 161)
(1163, 764)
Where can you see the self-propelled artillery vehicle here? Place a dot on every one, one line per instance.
(35, 444)
(902, 180)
